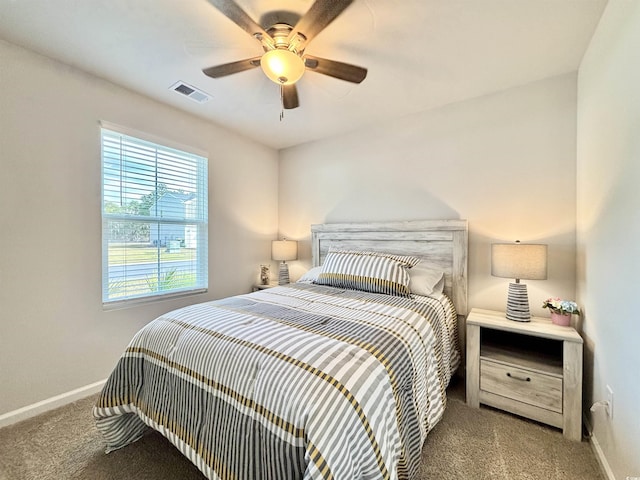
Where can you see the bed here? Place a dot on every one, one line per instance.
(312, 380)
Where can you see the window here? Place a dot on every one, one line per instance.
(154, 219)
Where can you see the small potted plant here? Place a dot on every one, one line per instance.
(561, 310)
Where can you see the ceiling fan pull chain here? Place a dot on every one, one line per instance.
(281, 102)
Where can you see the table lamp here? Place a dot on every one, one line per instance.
(283, 250)
(521, 262)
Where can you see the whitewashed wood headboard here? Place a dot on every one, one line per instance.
(441, 243)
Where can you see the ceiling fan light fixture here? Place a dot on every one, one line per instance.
(282, 66)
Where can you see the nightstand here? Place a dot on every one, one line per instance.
(259, 286)
(532, 369)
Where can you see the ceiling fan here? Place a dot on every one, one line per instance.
(284, 60)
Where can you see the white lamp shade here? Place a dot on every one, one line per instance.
(282, 66)
(519, 261)
(284, 250)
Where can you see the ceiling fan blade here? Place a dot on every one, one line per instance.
(231, 68)
(317, 18)
(290, 97)
(343, 71)
(237, 15)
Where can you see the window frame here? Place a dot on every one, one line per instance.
(200, 221)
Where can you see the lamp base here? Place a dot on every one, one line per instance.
(518, 303)
(283, 274)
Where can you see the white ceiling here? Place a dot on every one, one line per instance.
(420, 54)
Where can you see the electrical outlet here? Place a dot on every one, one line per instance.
(610, 401)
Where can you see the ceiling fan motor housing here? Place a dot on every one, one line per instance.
(281, 62)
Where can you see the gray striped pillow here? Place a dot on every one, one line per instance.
(369, 271)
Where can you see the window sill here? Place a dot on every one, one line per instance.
(134, 302)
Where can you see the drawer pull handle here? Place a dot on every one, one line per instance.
(516, 377)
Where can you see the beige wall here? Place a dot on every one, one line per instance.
(54, 334)
(504, 162)
(608, 213)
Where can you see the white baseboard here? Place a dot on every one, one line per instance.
(52, 403)
(597, 449)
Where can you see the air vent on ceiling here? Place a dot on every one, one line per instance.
(192, 92)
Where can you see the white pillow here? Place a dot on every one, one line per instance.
(424, 280)
(311, 275)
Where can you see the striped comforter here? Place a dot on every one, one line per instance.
(293, 382)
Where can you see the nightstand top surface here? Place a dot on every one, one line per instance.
(260, 286)
(538, 326)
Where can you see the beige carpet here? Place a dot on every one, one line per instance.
(466, 444)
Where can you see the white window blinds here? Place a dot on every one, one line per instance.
(154, 219)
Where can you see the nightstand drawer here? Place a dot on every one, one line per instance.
(522, 385)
